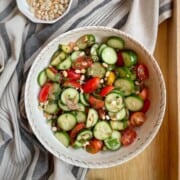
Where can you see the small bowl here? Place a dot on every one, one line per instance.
(145, 133)
(24, 7)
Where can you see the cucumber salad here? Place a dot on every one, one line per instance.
(94, 94)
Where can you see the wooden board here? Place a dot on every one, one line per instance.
(160, 160)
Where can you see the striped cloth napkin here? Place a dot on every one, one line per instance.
(21, 155)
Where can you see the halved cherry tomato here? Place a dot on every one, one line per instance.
(54, 70)
(120, 61)
(96, 103)
(72, 83)
(82, 62)
(71, 74)
(128, 136)
(44, 92)
(106, 90)
(91, 85)
(76, 130)
(144, 93)
(142, 72)
(146, 106)
(94, 146)
(137, 118)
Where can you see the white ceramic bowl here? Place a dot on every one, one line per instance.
(24, 7)
(145, 133)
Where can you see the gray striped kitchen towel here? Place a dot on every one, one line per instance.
(21, 155)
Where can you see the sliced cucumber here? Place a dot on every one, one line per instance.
(81, 107)
(77, 54)
(94, 50)
(101, 48)
(115, 42)
(129, 58)
(119, 115)
(91, 39)
(134, 103)
(65, 48)
(109, 55)
(58, 57)
(70, 94)
(77, 145)
(95, 58)
(52, 76)
(116, 134)
(112, 143)
(114, 102)
(92, 118)
(84, 135)
(102, 130)
(42, 78)
(51, 108)
(118, 125)
(96, 70)
(125, 72)
(62, 106)
(55, 91)
(125, 85)
(80, 116)
(63, 137)
(66, 121)
(66, 64)
(83, 99)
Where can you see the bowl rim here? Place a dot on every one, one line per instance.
(36, 20)
(131, 155)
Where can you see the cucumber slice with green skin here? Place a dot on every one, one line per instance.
(77, 54)
(125, 85)
(65, 48)
(115, 42)
(70, 94)
(62, 106)
(101, 48)
(134, 103)
(58, 57)
(63, 137)
(119, 115)
(125, 72)
(83, 99)
(92, 118)
(109, 55)
(80, 116)
(94, 50)
(52, 76)
(96, 70)
(84, 135)
(119, 125)
(129, 58)
(114, 102)
(95, 58)
(42, 78)
(91, 39)
(116, 134)
(81, 107)
(55, 92)
(102, 130)
(51, 108)
(66, 64)
(77, 145)
(112, 143)
(66, 121)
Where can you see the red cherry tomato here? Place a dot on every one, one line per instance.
(128, 137)
(91, 85)
(106, 90)
(137, 118)
(144, 93)
(76, 130)
(120, 61)
(146, 106)
(94, 146)
(142, 72)
(72, 83)
(96, 103)
(71, 74)
(82, 62)
(44, 92)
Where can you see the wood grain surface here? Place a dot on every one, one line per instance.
(153, 163)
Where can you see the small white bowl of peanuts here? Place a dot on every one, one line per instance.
(44, 11)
